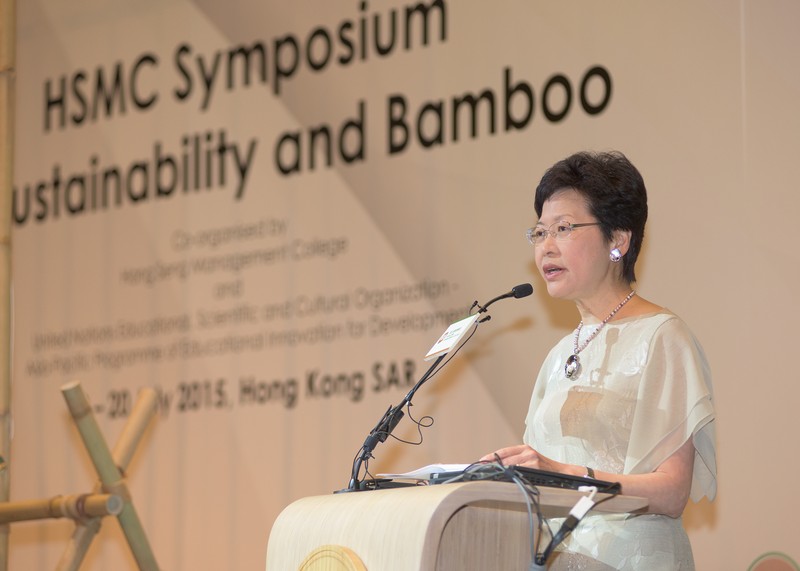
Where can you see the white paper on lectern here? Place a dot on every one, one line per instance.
(451, 337)
(426, 472)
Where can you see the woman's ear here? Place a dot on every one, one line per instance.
(621, 239)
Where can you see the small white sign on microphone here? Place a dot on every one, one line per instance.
(451, 337)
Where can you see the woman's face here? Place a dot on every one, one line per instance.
(578, 266)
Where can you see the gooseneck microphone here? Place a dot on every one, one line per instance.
(394, 414)
(517, 292)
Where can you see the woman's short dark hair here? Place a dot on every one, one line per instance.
(614, 191)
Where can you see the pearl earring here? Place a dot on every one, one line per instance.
(615, 255)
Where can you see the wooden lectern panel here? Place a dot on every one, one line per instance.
(486, 537)
(471, 525)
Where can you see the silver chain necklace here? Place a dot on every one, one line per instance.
(572, 368)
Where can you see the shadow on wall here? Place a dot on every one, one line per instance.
(700, 515)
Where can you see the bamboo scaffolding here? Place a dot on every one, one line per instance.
(110, 474)
(85, 530)
(8, 39)
(88, 509)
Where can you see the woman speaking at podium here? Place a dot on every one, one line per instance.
(627, 396)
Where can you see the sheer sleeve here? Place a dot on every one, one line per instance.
(674, 404)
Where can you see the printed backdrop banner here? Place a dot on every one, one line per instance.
(269, 213)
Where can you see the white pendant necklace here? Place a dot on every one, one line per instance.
(572, 368)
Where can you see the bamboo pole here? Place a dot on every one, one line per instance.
(110, 474)
(140, 417)
(76, 506)
(73, 555)
(85, 530)
(8, 38)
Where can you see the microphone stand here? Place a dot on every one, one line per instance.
(384, 428)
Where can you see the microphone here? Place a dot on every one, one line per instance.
(522, 290)
(517, 292)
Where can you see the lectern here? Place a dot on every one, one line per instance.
(446, 527)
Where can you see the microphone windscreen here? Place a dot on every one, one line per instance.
(522, 290)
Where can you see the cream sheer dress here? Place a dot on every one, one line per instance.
(644, 389)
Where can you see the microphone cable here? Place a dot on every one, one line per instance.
(419, 423)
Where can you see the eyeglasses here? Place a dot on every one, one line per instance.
(558, 230)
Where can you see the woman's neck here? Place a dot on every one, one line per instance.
(599, 307)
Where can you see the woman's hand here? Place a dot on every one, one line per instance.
(524, 455)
